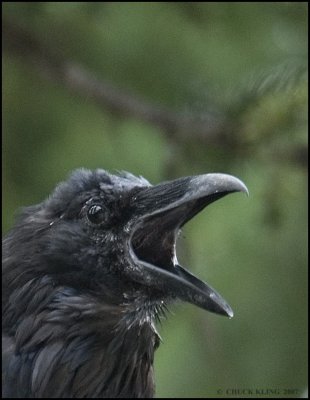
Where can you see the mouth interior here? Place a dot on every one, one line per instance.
(154, 241)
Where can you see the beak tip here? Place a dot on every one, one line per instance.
(238, 185)
(230, 314)
(222, 183)
(219, 305)
(244, 189)
(227, 311)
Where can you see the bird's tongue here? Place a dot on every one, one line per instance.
(164, 209)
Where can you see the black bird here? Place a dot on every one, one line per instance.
(86, 274)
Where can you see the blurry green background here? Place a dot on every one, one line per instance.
(245, 65)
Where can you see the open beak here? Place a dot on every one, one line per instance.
(161, 211)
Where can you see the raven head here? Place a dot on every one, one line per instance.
(86, 272)
(115, 236)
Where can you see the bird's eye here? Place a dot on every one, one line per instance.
(96, 214)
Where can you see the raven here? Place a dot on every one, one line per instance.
(88, 272)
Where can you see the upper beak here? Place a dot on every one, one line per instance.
(162, 210)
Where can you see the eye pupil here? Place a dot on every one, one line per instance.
(96, 214)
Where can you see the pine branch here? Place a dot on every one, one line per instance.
(53, 65)
(215, 129)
